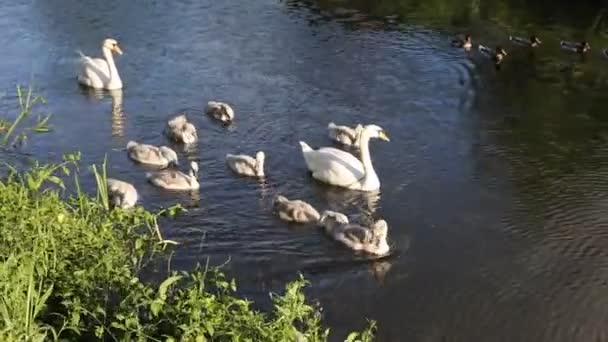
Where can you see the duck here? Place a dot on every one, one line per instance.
(370, 240)
(220, 111)
(497, 55)
(180, 130)
(577, 47)
(295, 210)
(340, 168)
(152, 155)
(344, 134)
(101, 73)
(245, 165)
(121, 194)
(533, 41)
(465, 43)
(172, 179)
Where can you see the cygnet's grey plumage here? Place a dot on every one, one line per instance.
(371, 240)
(171, 179)
(151, 155)
(180, 130)
(245, 165)
(344, 134)
(220, 111)
(121, 194)
(295, 210)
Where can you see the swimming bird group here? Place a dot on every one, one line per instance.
(328, 165)
(498, 54)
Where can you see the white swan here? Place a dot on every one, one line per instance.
(121, 194)
(336, 167)
(180, 130)
(151, 155)
(220, 111)
(245, 165)
(344, 134)
(101, 73)
(295, 210)
(175, 179)
(371, 240)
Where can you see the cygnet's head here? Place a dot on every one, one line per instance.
(280, 199)
(112, 45)
(259, 158)
(169, 154)
(375, 131)
(380, 229)
(227, 114)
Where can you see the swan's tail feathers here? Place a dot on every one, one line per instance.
(131, 144)
(331, 125)
(305, 147)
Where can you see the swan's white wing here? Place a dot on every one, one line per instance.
(334, 166)
(94, 72)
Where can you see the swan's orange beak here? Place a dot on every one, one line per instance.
(117, 49)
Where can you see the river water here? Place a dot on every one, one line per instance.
(494, 183)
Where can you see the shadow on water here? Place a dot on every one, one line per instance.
(494, 184)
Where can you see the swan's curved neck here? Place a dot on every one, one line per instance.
(114, 77)
(366, 160)
(259, 167)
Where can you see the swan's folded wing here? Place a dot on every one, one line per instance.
(95, 71)
(335, 167)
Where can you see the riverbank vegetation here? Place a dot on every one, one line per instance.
(71, 269)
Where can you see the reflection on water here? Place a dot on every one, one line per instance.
(494, 183)
(117, 114)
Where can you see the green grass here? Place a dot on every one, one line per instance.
(70, 270)
(14, 132)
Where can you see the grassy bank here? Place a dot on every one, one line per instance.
(70, 270)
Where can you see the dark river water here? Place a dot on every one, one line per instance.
(494, 183)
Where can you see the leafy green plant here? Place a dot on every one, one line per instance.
(70, 270)
(27, 100)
